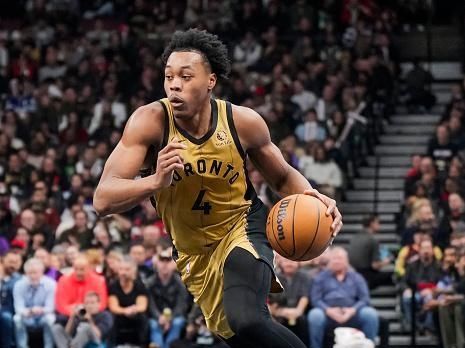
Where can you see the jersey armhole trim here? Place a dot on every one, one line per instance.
(166, 128)
(232, 129)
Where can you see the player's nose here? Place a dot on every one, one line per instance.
(176, 84)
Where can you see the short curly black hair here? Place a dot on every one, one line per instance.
(208, 45)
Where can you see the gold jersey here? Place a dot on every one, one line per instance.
(212, 194)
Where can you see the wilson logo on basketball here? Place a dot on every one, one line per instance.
(281, 216)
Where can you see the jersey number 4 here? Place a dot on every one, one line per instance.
(200, 205)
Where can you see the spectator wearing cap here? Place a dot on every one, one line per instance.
(169, 300)
(340, 297)
(8, 277)
(72, 288)
(34, 299)
(365, 255)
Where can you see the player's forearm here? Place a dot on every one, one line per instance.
(293, 182)
(116, 195)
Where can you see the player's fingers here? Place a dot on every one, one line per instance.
(170, 154)
(174, 166)
(168, 162)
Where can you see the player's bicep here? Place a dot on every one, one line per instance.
(125, 161)
(130, 153)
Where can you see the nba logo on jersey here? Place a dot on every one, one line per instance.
(222, 138)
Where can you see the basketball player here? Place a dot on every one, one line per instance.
(192, 149)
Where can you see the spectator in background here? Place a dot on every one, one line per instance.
(311, 129)
(451, 319)
(303, 98)
(290, 308)
(50, 271)
(365, 254)
(340, 298)
(170, 301)
(34, 299)
(87, 325)
(422, 275)
(455, 214)
(138, 255)
(410, 253)
(72, 288)
(128, 302)
(419, 98)
(247, 52)
(324, 172)
(441, 149)
(80, 234)
(8, 278)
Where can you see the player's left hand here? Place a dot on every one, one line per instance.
(332, 210)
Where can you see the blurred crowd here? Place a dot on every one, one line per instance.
(321, 73)
(431, 264)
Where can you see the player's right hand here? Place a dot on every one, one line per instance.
(169, 159)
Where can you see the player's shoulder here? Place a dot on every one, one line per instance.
(146, 123)
(251, 127)
(245, 114)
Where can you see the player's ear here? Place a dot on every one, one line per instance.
(211, 82)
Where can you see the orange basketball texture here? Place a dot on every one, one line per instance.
(298, 228)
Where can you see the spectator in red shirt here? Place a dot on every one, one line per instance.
(72, 289)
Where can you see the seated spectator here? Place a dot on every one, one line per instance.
(422, 217)
(325, 172)
(88, 324)
(72, 288)
(450, 310)
(365, 256)
(409, 253)
(340, 298)
(128, 302)
(8, 277)
(111, 266)
(311, 129)
(137, 253)
(289, 308)
(34, 298)
(50, 271)
(455, 215)
(169, 301)
(80, 234)
(422, 275)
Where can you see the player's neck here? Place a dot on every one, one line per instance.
(199, 124)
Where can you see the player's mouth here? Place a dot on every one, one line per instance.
(176, 102)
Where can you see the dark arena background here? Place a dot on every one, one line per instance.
(365, 98)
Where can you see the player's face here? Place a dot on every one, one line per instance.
(188, 83)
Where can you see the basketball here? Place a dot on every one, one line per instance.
(298, 227)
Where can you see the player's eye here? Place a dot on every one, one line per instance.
(168, 77)
(186, 77)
